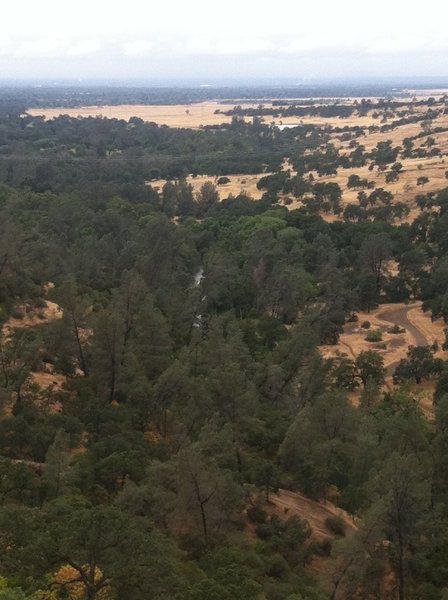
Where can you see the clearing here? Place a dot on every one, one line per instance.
(239, 184)
(190, 116)
(420, 330)
(32, 318)
(285, 504)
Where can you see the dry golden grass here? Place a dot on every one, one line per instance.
(35, 317)
(419, 330)
(404, 190)
(397, 135)
(51, 312)
(195, 115)
(178, 115)
(324, 121)
(246, 184)
(187, 115)
(410, 316)
(46, 380)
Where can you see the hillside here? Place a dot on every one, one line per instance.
(235, 386)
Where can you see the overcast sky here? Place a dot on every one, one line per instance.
(232, 38)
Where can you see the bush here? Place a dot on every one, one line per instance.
(223, 180)
(322, 548)
(353, 318)
(365, 324)
(335, 525)
(40, 303)
(17, 313)
(263, 531)
(396, 329)
(374, 336)
(256, 514)
(276, 566)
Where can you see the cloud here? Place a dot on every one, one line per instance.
(45, 47)
(222, 46)
(315, 43)
(83, 47)
(138, 48)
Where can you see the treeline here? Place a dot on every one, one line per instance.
(341, 110)
(65, 154)
(72, 96)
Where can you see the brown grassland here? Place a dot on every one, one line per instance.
(418, 326)
(239, 184)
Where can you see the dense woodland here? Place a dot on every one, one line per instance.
(193, 385)
(71, 94)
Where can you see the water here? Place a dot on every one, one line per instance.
(199, 276)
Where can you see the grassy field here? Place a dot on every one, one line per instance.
(239, 184)
(180, 115)
(405, 189)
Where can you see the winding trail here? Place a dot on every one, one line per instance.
(399, 316)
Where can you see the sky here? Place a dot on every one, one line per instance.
(208, 40)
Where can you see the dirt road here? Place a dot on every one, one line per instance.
(399, 316)
(286, 503)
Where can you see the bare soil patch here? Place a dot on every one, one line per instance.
(285, 504)
(33, 317)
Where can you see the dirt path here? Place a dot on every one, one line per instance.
(399, 316)
(418, 329)
(286, 504)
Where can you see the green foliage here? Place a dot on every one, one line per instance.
(335, 525)
(319, 444)
(256, 514)
(419, 364)
(370, 367)
(187, 345)
(375, 335)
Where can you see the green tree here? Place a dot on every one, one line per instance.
(207, 495)
(420, 363)
(319, 444)
(375, 251)
(370, 367)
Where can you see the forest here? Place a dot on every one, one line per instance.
(162, 379)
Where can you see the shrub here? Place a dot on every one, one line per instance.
(365, 324)
(263, 531)
(40, 303)
(322, 548)
(396, 329)
(335, 525)
(374, 336)
(256, 514)
(276, 566)
(18, 313)
(223, 180)
(353, 318)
